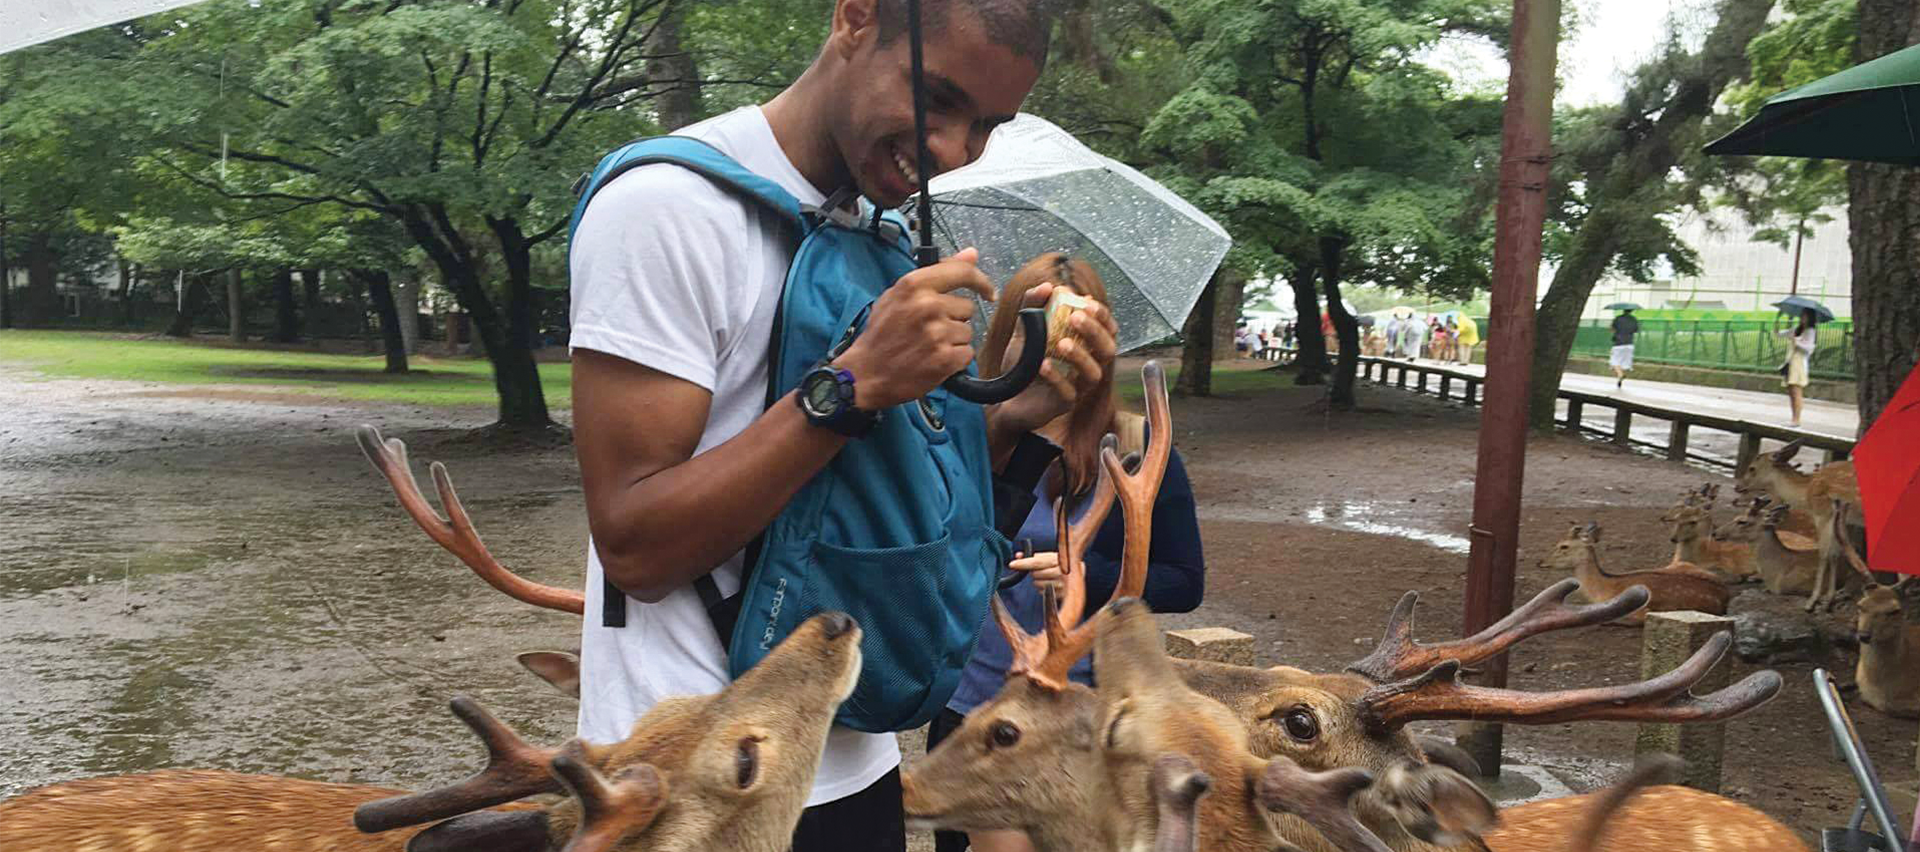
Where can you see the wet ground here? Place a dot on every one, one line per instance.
(218, 579)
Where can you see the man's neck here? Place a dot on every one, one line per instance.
(802, 133)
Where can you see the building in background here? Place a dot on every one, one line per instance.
(1739, 274)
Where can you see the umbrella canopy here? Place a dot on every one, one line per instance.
(1869, 112)
(1402, 311)
(33, 21)
(1887, 462)
(1795, 304)
(1037, 189)
(1621, 306)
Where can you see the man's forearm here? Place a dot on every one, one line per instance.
(662, 532)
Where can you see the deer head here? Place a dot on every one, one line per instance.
(1881, 614)
(1357, 718)
(729, 771)
(1769, 471)
(1147, 713)
(1027, 759)
(1573, 551)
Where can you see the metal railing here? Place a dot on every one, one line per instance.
(1416, 377)
(1741, 345)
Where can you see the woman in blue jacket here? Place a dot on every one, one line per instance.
(1175, 571)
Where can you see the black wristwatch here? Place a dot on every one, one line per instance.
(826, 397)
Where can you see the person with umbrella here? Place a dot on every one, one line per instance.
(1624, 328)
(1799, 354)
(675, 281)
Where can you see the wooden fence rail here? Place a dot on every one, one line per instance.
(1679, 431)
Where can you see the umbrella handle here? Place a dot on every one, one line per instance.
(1033, 324)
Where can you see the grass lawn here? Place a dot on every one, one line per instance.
(435, 381)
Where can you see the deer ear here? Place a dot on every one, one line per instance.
(1593, 531)
(558, 668)
(486, 831)
(1436, 804)
(1785, 454)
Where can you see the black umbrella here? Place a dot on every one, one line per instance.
(1795, 304)
(1621, 306)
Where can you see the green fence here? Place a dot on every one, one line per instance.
(1745, 345)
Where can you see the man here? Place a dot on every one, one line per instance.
(675, 284)
(1621, 358)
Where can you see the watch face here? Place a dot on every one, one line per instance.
(822, 393)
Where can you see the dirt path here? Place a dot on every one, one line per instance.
(219, 580)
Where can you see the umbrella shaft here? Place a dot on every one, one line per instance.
(925, 254)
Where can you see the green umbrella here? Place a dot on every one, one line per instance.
(1869, 112)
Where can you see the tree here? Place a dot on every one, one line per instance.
(1883, 213)
(1615, 183)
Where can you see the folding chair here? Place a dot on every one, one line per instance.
(1873, 797)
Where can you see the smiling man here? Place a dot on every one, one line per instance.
(676, 285)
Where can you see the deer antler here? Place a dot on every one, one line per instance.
(515, 770)
(1322, 799)
(1438, 694)
(609, 811)
(1047, 657)
(1398, 656)
(457, 535)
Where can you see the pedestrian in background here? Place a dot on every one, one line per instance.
(1467, 336)
(1621, 358)
(1799, 359)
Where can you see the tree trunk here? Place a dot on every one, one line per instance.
(129, 272)
(1345, 327)
(678, 105)
(310, 303)
(1228, 299)
(1558, 318)
(236, 311)
(406, 304)
(1310, 361)
(1883, 215)
(6, 275)
(190, 303)
(1196, 357)
(1077, 29)
(523, 405)
(380, 290)
(286, 318)
(42, 302)
(1645, 158)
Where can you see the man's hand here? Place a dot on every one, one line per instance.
(1089, 349)
(919, 333)
(1042, 567)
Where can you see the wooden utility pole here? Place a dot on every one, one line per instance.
(1526, 149)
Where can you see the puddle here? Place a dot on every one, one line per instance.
(1373, 518)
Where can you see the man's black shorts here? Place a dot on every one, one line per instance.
(868, 821)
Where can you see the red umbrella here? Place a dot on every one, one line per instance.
(1887, 462)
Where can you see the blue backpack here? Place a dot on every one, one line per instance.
(897, 531)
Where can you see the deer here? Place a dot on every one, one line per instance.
(1358, 717)
(1816, 494)
(713, 773)
(1786, 563)
(1694, 544)
(1888, 672)
(1578, 554)
(1033, 758)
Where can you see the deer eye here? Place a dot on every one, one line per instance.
(1300, 724)
(1003, 734)
(746, 762)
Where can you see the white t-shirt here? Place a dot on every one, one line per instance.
(674, 273)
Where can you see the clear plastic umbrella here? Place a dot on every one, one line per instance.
(1037, 189)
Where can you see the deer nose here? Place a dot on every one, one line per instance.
(836, 624)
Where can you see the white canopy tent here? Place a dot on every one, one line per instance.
(28, 22)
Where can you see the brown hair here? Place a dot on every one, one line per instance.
(1095, 414)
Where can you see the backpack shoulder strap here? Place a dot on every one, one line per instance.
(693, 155)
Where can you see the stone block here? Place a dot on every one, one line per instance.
(1213, 644)
(1667, 641)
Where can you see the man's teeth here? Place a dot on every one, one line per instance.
(905, 165)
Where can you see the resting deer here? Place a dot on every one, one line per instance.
(1786, 563)
(1888, 673)
(1358, 718)
(720, 772)
(1815, 494)
(1670, 590)
(1694, 544)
